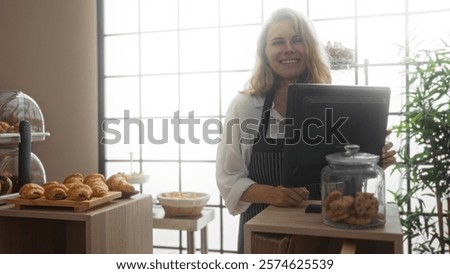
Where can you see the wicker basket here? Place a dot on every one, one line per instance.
(183, 204)
(172, 211)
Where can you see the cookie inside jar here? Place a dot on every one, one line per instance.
(353, 190)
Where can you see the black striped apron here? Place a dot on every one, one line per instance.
(265, 168)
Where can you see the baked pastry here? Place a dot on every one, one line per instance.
(70, 185)
(119, 182)
(13, 128)
(99, 188)
(73, 178)
(332, 196)
(337, 206)
(49, 184)
(55, 191)
(343, 203)
(6, 185)
(31, 191)
(366, 205)
(359, 210)
(94, 177)
(4, 126)
(97, 183)
(340, 209)
(79, 192)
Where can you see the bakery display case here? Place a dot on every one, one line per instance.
(16, 106)
(9, 169)
(21, 123)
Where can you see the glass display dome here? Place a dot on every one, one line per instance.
(16, 106)
(21, 122)
(9, 168)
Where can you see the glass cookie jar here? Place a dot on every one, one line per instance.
(353, 190)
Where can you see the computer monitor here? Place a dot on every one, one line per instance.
(321, 119)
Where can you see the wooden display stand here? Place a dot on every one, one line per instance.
(291, 230)
(188, 224)
(121, 226)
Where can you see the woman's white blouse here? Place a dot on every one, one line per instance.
(235, 148)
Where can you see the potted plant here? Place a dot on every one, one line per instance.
(424, 156)
(340, 57)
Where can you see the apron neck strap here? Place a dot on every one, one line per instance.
(265, 116)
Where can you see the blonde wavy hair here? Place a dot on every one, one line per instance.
(317, 64)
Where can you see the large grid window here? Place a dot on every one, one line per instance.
(166, 61)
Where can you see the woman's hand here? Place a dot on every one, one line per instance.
(275, 195)
(387, 153)
(286, 197)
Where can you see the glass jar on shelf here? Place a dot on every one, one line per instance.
(353, 190)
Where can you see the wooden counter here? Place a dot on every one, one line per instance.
(310, 235)
(121, 226)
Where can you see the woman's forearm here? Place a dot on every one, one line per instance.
(275, 195)
(258, 193)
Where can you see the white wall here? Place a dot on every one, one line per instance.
(48, 50)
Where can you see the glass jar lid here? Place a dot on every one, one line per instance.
(352, 156)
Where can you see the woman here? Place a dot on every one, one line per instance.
(248, 167)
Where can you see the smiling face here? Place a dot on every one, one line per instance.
(285, 51)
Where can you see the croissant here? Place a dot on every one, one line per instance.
(55, 191)
(73, 178)
(119, 182)
(31, 191)
(79, 192)
(94, 176)
(98, 187)
(47, 185)
(96, 182)
(70, 185)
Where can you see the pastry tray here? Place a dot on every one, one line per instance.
(78, 206)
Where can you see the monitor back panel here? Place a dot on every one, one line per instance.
(322, 119)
